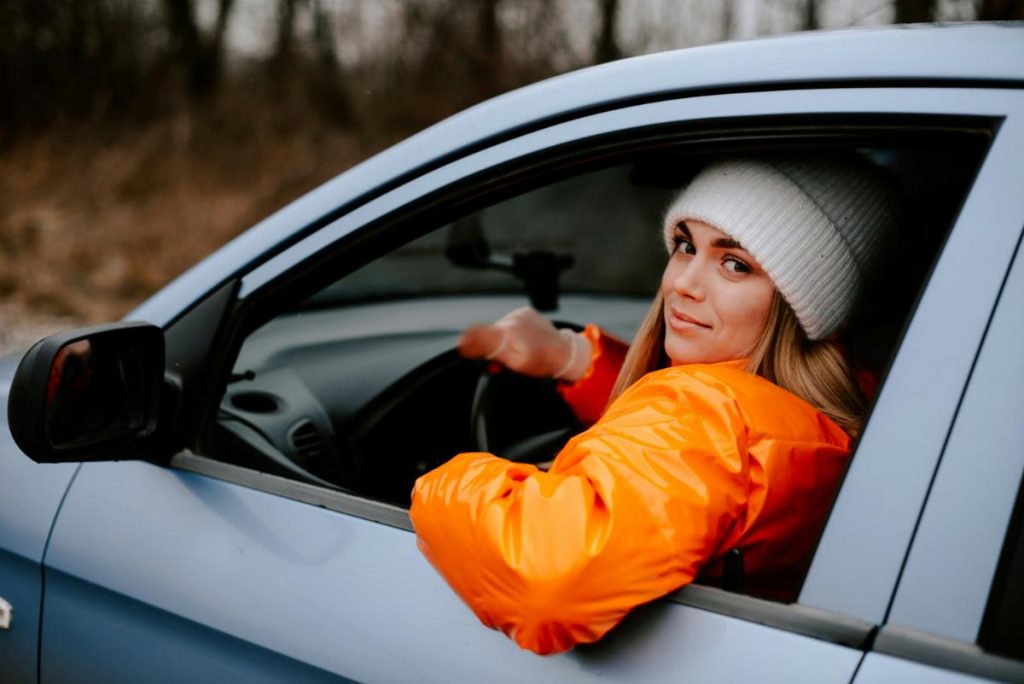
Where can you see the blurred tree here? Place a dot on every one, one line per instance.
(728, 19)
(810, 16)
(914, 11)
(200, 57)
(484, 46)
(284, 43)
(327, 83)
(607, 47)
(215, 47)
(1001, 10)
(71, 60)
(450, 49)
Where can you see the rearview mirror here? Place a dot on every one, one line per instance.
(89, 394)
(539, 270)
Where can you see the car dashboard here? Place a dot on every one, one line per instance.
(367, 397)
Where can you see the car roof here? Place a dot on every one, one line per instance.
(964, 54)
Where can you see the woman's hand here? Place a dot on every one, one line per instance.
(528, 343)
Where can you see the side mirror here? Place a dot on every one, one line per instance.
(91, 394)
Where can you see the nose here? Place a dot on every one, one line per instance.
(688, 281)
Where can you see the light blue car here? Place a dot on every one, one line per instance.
(222, 486)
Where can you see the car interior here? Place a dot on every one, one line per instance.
(354, 384)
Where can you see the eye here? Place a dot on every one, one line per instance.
(683, 244)
(734, 265)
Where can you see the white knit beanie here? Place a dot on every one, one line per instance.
(815, 224)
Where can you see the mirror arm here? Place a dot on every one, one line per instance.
(540, 272)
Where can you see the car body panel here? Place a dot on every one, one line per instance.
(984, 53)
(21, 586)
(878, 668)
(960, 536)
(30, 495)
(298, 584)
(101, 636)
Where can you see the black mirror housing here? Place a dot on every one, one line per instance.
(91, 394)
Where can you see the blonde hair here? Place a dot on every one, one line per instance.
(815, 371)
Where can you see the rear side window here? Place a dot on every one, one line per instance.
(1002, 628)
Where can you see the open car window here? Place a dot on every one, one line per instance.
(358, 385)
(354, 385)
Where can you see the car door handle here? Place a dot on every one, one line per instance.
(5, 614)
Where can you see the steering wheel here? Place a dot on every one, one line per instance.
(492, 413)
(494, 417)
(511, 415)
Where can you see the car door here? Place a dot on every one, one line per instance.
(205, 570)
(29, 498)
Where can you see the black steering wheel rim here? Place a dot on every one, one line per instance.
(482, 412)
(525, 420)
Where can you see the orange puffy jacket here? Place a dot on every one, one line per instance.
(689, 463)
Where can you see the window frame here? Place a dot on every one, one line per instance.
(458, 187)
(961, 549)
(944, 587)
(898, 453)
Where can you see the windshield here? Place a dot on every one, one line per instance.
(586, 224)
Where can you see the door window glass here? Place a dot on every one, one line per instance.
(1002, 628)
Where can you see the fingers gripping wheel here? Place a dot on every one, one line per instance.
(520, 418)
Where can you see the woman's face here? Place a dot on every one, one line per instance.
(716, 296)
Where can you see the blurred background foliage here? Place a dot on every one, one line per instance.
(136, 136)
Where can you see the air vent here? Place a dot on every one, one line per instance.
(309, 442)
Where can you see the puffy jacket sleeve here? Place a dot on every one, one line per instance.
(588, 396)
(629, 511)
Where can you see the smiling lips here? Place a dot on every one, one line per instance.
(678, 320)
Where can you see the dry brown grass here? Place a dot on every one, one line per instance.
(90, 226)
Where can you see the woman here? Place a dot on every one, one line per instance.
(728, 426)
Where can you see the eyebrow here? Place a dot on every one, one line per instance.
(727, 243)
(723, 242)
